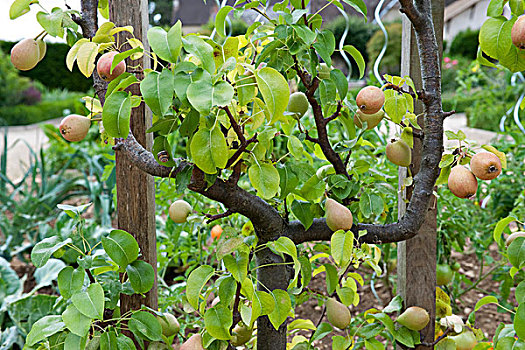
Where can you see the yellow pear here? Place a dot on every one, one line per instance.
(179, 211)
(462, 182)
(337, 313)
(414, 318)
(399, 153)
(194, 343)
(338, 217)
(372, 120)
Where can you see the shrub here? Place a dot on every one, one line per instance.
(465, 44)
(449, 72)
(391, 62)
(52, 70)
(359, 33)
(233, 28)
(12, 85)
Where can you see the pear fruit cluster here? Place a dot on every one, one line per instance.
(74, 127)
(104, 66)
(414, 318)
(463, 182)
(179, 211)
(26, 54)
(338, 217)
(337, 313)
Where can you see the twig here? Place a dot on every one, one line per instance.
(241, 149)
(236, 313)
(236, 127)
(448, 114)
(438, 339)
(212, 218)
(336, 113)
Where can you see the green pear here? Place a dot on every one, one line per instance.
(338, 217)
(169, 324)
(414, 318)
(42, 48)
(194, 343)
(298, 104)
(25, 54)
(399, 153)
(465, 341)
(337, 313)
(241, 334)
(372, 120)
(179, 211)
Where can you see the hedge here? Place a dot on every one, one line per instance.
(52, 71)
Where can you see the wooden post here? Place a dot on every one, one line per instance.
(417, 256)
(135, 188)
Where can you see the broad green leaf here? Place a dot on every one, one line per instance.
(514, 60)
(332, 279)
(495, 8)
(302, 211)
(157, 90)
(301, 324)
(19, 8)
(340, 82)
(200, 49)
(516, 252)
(73, 342)
(295, 147)
(203, 96)
(91, 302)
(264, 178)
(196, 281)
(220, 19)
(43, 328)
(341, 245)
(494, 37)
(48, 273)
(108, 341)
(86, 55)
(520, 293)
(117, 113)
(322, 331)
(396, 107)
(500, 226)
(358, 5)
(141, 276)
(237, 266)
(218, 321)
(275, 92)
(209, 149)
(373, 344)
(75, 321)
(145, 326)
(166, 45)
(262, 304)
(325, 45)
(519, 321)
(73, 52)
(52, 22)
(43, 250)
(121, 247)
(489, 299)
(358, 58)
(125, 343)
(282, 307)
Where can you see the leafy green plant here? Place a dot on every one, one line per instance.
(391, 62)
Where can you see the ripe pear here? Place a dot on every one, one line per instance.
(169, 324)
(513, 236)
(25, 54)
(298, 104)
(461, 182)
(74, 127)
(465, 341)
(194, 343)
(241, 334)
(104, 66)
(338, 217)
(485, 165)
(517, 33)
(370, 99)
(337, 313)
(179, 211)
(372, 120)
(399, 153)
(42, 49)
(414, 318)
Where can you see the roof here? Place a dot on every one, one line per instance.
(458, 6)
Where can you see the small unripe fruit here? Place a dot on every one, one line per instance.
(25, 54)
(104, 66)
(399, 153)
(338, 217)
(461, 182)
(465, 341)
(42, 48)
(179, 211)
(485, 165)
(513, 236)
(298, 104)
(370, 99)
(517, 34)
(337, 313)
(414, 318)
(324, 71)
(241, 334)
(216, 232)
(372, 120)
(169, 324)
(74, 127)
(444, 274)
(194, 343)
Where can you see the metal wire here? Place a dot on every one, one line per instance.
(342, 43)
(517, 78)
(377, 17)
(228, 20)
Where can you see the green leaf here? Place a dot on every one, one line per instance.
(116, 114)
(295, 147)
(86, 56)
(196, 281)
(395, 305)
(520, 293)
(495, 8)
(145, 326)
(264, 178)
(108, 341)
(325, 45)
(203, 96)
(202, 50)
(91, 302)
(73, 342)
(237, 266)
(282, 307)
(166, 45)
(302, 211)
(494, 37)
(19, 8)
(75, 321)
(141, 276)
(275, 92)
(340, 82)
(358, 5)
(44, 328)
(322, 331)
(500, 226)
(48, 273)
(125, 343)
(396, 107)
(157, 90)
(519, 321)
(218, 321)
(52, 22)
(220, 20)
(262, 304)
(121, 247)
(332, 279)
(516, 252)
(489, 299)
(373, 344)
(346, 294)
(43, 250)
(341, 245)
(209, 149)
(358, 58)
